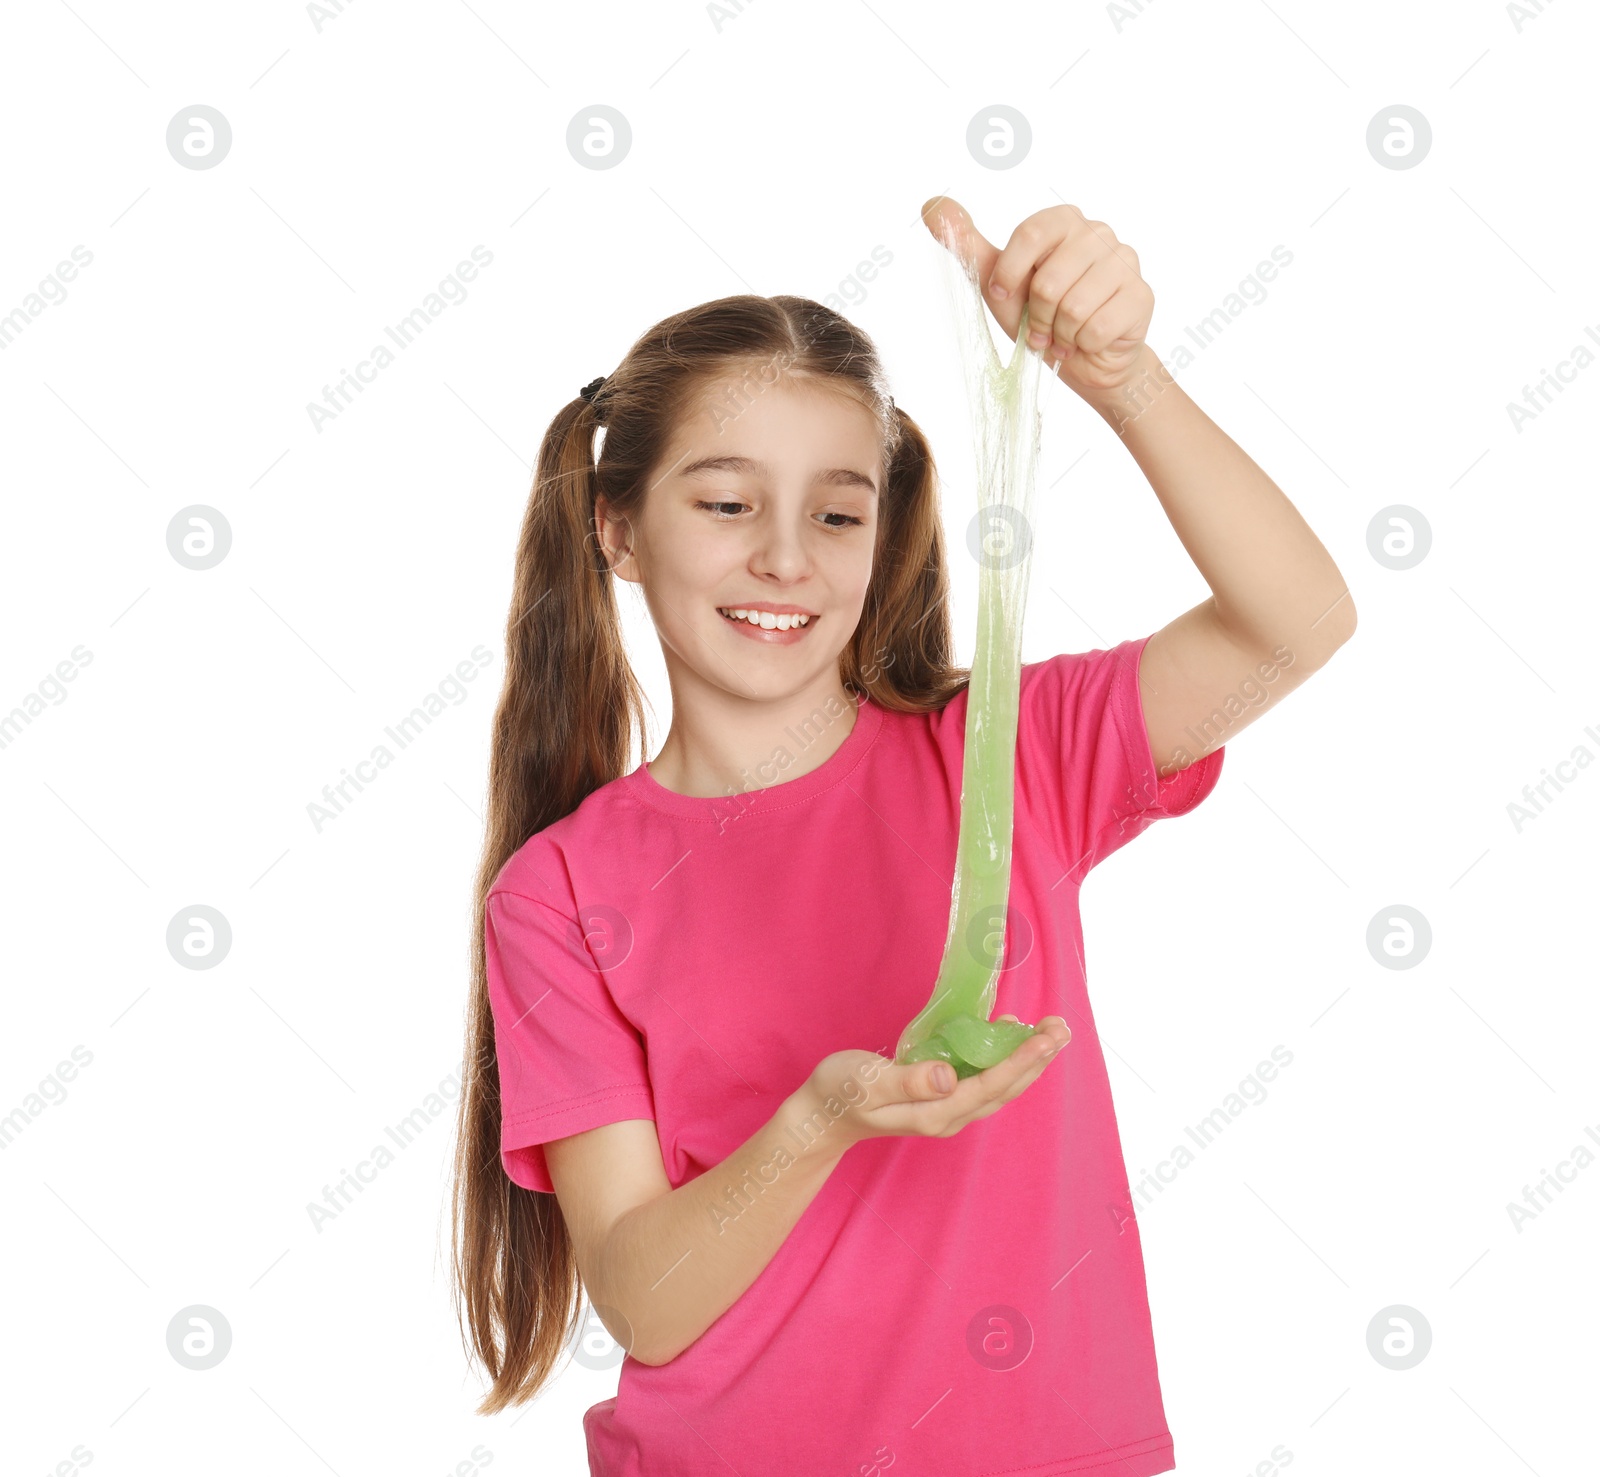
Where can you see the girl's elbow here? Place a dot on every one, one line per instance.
(1336, 625)
(1347, 620)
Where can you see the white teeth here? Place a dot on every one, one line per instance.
(767, 620)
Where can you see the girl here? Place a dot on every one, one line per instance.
(691, 975)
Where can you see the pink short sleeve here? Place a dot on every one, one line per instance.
(1085, 775)
(569, 1059)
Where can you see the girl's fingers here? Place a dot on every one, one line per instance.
(1002, 1079)
(974, 1092)
(1059, 276)
(1080, 301)
(1064, 1033)
(999, 1084)
(1009, 283)
(1125, 316)
(1069, 272)
(1014, 1076)
(973, 1097)
(919, 1083)
(915, 1102)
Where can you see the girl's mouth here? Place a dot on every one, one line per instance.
(764, 626)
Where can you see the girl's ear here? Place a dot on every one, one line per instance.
(614, 535)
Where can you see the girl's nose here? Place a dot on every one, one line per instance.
(779, 553)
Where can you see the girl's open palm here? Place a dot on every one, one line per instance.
(878, 1098)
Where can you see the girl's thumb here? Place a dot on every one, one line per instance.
(949, 221)
(942, 1078)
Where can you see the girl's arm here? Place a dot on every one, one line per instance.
(1279, 607)
(662, 1265)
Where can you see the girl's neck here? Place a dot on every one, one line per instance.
(719, 743)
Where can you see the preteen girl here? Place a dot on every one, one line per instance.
(692, 973)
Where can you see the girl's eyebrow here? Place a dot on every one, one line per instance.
(749, 466)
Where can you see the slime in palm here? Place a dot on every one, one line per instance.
(954, 1026)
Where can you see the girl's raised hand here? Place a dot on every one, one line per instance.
(856, 1095)
(1088, 307)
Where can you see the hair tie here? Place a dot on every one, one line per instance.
(589, 390)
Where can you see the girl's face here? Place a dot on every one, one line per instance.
(771, 510)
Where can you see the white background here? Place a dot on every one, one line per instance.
(771, 153)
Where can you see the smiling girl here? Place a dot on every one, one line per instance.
(691, 973)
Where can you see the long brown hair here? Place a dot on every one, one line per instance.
(570, 707)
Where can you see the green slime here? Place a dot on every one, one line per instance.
(954, 1026)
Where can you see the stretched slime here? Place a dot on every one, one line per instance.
(954, 1026)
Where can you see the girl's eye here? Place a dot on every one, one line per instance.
(718, 508)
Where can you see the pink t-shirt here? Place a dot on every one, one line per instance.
(962, 1307)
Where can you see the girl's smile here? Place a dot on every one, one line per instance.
(774, 625)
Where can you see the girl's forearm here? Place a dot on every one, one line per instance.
(673, 1266)
(1269, 573)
